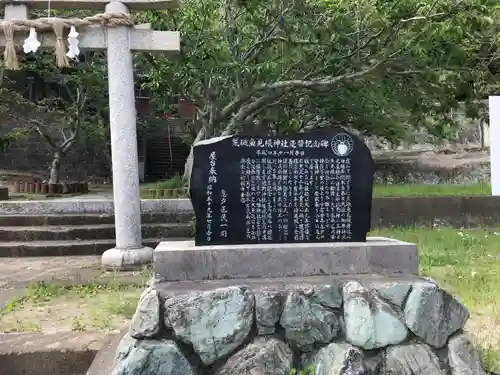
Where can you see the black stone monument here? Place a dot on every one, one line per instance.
(308, 187)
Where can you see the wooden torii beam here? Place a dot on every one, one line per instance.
(119, 41)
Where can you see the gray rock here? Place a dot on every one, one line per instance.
(463, 359)
(307, 323)
(417, 359)
(127, 343)
(433, 315)
(341, 321)
(374, 363)
(268, 308)
(150, 357)
(429, 280)
(370, 323)
(146, 320)
(338, 359)
(215, 322)
(395, 293)
(328, 295)
(264, 356)
(104, 361)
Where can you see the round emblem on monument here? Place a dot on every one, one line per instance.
(342, 144)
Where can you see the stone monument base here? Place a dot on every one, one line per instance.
(182, 260)
(365, 325)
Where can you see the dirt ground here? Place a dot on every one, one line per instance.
(76, 310)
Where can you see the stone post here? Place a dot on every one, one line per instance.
(129, 252)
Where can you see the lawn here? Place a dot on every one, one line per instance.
(466, 262)
(52, 308)
(418, 190)
(403, 190)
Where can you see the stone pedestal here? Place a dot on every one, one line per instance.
(129, 252)
(267, 309)
(366, 324)
(182, 260)
(127, 259)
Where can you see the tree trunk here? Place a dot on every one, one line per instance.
(109, 164)
(188, 166)
(481, 131)
(55, 168)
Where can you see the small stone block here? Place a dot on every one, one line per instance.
(182, 260)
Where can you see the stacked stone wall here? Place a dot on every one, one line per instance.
(344, 328)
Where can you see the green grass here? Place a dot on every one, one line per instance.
(172, 183)
(103, 306)
(404, 190)
(467, 263)
(418, 190)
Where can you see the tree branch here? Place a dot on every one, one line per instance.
(321, 82)
(283, 85)
(277, 38)
(75, 131)
(256, 49)
(349, 55)
(396, 27)
(251, 117)
(428, 17)
(49, 140)
(229, 29)
(248, 109)
(237, 104)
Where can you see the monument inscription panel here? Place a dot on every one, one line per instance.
(309, 187)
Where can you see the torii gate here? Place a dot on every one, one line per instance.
(120, 41)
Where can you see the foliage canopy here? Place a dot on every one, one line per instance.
(381, 67)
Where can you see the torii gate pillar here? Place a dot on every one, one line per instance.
(129, 251)
(494, 106)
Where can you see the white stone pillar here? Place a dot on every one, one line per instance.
(129, 252)
(494, 104)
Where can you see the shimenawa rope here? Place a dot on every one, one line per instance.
(57, 25)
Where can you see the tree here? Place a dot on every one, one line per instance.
(10, 136)
(73, 124)
(63, 106)
(379, 67)
(65, 103)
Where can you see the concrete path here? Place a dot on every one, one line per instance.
(62, 353)
(16, 274)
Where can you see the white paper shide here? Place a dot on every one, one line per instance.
(73, 48)
(31, 43)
